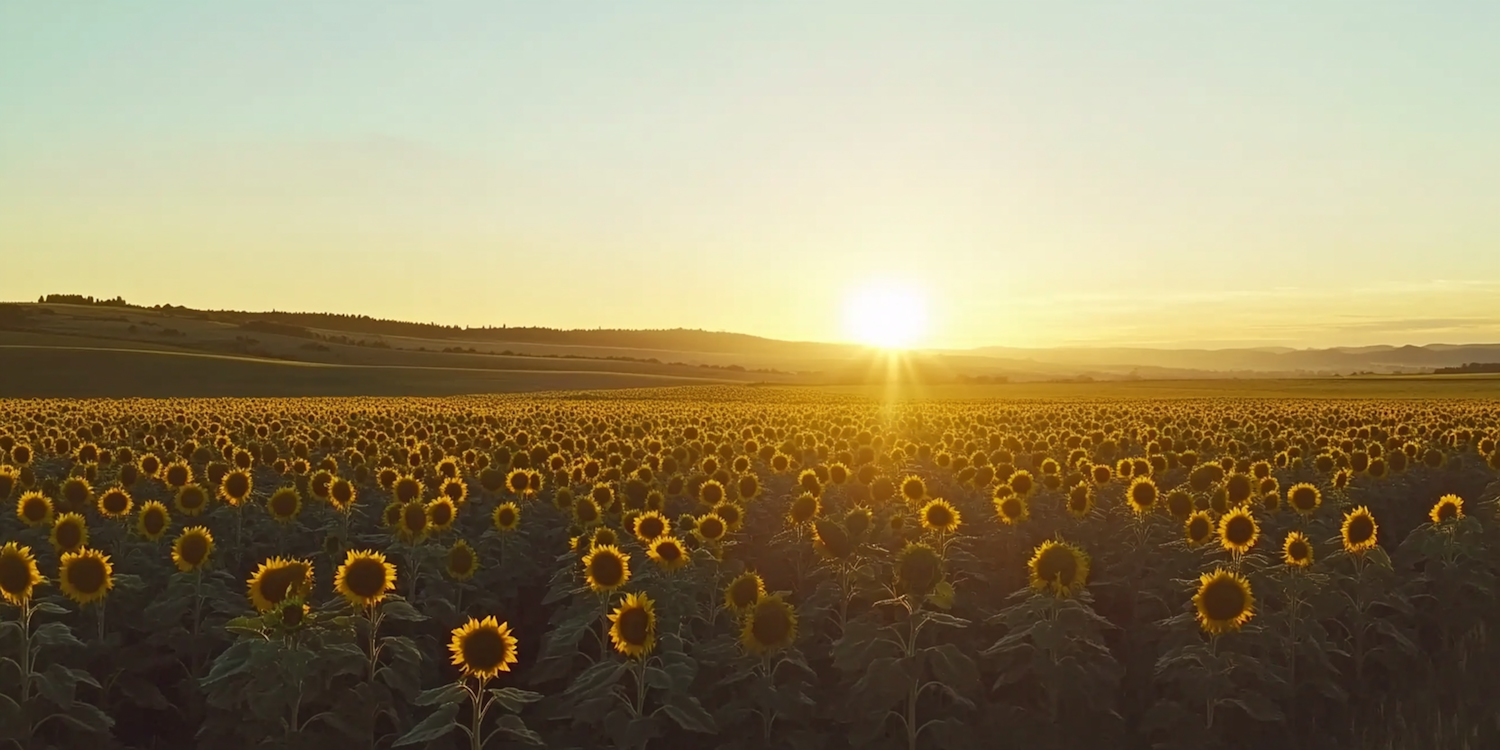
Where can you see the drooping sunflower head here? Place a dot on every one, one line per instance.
(1080, 500)
(940, 516)
(831, 540)
(236, 487)
(153, 520)
(115, 502)
(364, 577)
(86, 576)
(1359, 530)
(414, 523)
(710, 528)
(507, 517)
(1297, 551)
(913, 489)
(769, 626)
(1238, 530)
(632, 628)
(650, 525)
(34, 509)
(1304, 498)
(668, 553)
(743, 592)
(858, 521)
(277, 579)
(1198, 528)
(191, 548)
(1058, 568)
(483, 648)
(1224, 602)
(585, 511)
(749, 486)
(70, 533)
(19, 575)
(440, 513)
(462, 561)
(1142, 495)
(918, 569)
(805, 507)
(809, 481)
(285, 504)
(1448, 508)
(606, 568)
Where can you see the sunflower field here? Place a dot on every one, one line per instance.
(741, 567)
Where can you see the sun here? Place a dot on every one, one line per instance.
(886, 314)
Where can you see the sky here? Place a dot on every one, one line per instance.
(1160, 173)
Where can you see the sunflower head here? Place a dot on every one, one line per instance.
(1012, 508)
(586, 511)
(1198, 528)
(34, 509)
(743, 592)
(1359, 530)
(1058, 568)
(406, 488)
(341, 493)
(710, 528)
(606, 568)
(1238, 530)
(70, 533)
(632, 628)
(1296, 551)
(913, 489)
(1223, 601)
(191, 548)
(711, 493)
(650, 525)
(414, 523)
(507, 517)
(86, 576)
(18, 574)
(364, 577)
(1448, 508)
(278, 579)
(831, 540)
(455, 489)
(76, 492)
(918, 569)
(441, 513)
(483, 648)
(236, 486)
(284, 504)
(940, 516)
(1142, 495)
(769, 626)
(1304, 498)
(1022, 483)
(176, 475)
(114, 502)
(1080, 500)
(731, 512)
(805, 507)
(153, 520)
(668, 552)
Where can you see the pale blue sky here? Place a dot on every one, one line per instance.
(1197, 173)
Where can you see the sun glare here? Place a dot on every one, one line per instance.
(889, 315)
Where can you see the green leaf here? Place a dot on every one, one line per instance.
(58, 684)
(453, 692)
(944, 619)
(514, 699)
(55, 634)
(247, 626)
(87, 717)
(1257, 705)
(434, 726)
(397, 609)
(951, 666)
(689, 714)
(512, 726)
(599, 676)
(51, 608)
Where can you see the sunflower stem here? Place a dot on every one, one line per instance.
(194, 650)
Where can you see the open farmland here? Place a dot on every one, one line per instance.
(749, 567)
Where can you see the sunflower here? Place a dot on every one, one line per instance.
(731, 512)
(1359, 530)
(1013, 509)
(34, 509)
(711, 493)
(1223, 601)
(341, 494)
(86, 575)
(831, 540)
(483, 648)
(1021, 483)
(743, 592)
(1179, 504)
(1296, 550)
(18, 574)
(1448, 507)
(176, 475)
(1304, 498)
(115, 502)
(76, 493)
(9, 479)
(406, 488)
(710, 528)
(1198, 527)
(235, 487)
(390, 516)
(940, 516)
(1058, 568)
(632, 626)
(153, 520)
(413, 523)
(604, 536)
(918, 569)
(913, 489)
(277, 579)
(804, 509)
(606, 568)
(441, 513)
(650, 525)
(364, 577)
(770, 626)
(1080, 500)
(857, 521)
(462, 562)
(1238, 530)
(518, 481)
(455, 489)
(1142, 495)
(507, 517)
(192, 548)
(285, 504)
(668, 552)
(585, 511)
(70, 533)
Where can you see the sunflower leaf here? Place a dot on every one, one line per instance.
(453, 692)
(689, 714)
(55, 634)
(436, 725)
(512, 726)
(51, 608)
(397, 609)
(514, 699)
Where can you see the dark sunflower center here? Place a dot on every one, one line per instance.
(1078, 499)
(1057, 565)
(34, 509)
(1199, 529)
(342, 492)
(15, 574)
(669, 551)
(748, 486)
(237, 486)
(743, 593)
(1298, 550)
(407, 489)
(77, 493)
(651, 527)
(283, 504)
(153, 521)
(414, 517)
(1179, 504)
(1239, 530)
(770, 624)
(393, 515)
(712, 493)
(177, 475)
(484, 650)
(519, 482)
(192, 498)
(460, 559)
(729, 512)
(1020, 484)
(365, 577)
(507, 517)
(1144, 495)
(69, 535)
(275, 584)
(1238, 488)
(711, 528)
(588, 512)
(606, 569)
(913, 490)
(635, 626)
(939, 516)
(1223, 599)
(1361, 529)
(115, 503)
(193, 549)
(803, 508)
(1011, 507)
(1447, 511)
(86, 574)
(442, 514)
(1303, 499)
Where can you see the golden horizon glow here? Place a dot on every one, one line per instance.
(886, 314)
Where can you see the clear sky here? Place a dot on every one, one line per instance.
(1307, 173)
